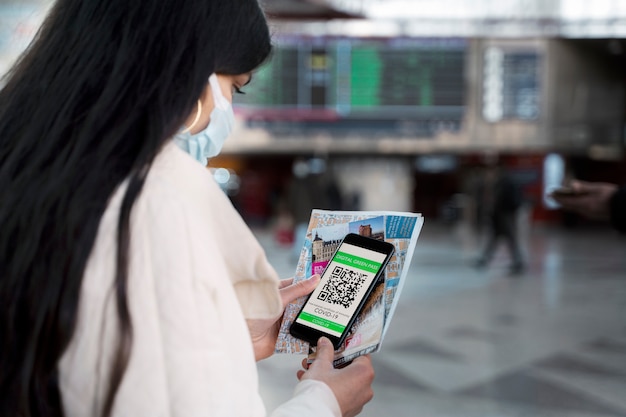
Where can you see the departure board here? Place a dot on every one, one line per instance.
(380, 80)
(521, 85)
(511, 87)
(406, 77)
(275, 84)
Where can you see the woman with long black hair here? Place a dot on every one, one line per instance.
(129, 286)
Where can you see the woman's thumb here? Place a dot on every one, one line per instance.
(325, 350)
(301, 288)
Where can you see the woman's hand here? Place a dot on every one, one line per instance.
(352, 385)
(264, 332)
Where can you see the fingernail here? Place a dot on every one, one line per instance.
(323, 341)
(315, 278)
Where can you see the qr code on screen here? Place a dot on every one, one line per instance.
(342, 286)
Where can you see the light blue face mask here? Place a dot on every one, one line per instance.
(208, 143)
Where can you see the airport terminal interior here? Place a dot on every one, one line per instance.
(403, 105)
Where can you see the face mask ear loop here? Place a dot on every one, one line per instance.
(220, 101)
(198, 113)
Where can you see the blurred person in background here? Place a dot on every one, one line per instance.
(129, 285)
(596, 200)
(313, 186)
(498, 201)
(302, 193)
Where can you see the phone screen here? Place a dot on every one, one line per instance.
(345, 282)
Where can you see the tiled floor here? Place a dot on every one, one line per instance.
(467, 342)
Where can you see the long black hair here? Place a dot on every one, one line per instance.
(100, 90)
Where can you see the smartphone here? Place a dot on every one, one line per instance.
(357, 264)
(567, 192)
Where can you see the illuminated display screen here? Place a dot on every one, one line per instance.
(367, 82)
(342, 286)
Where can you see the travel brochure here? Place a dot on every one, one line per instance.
(325, 232)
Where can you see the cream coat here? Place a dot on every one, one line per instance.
(196, 274)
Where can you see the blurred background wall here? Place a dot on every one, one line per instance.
(397, 103)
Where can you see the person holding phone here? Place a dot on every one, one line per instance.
(596, 200)
(129, 285)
